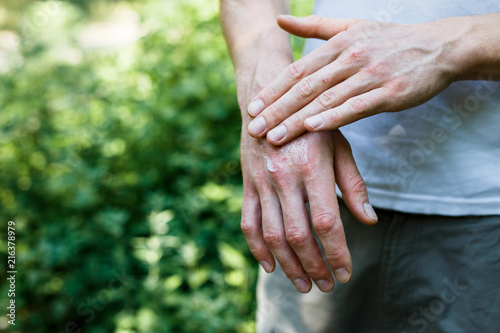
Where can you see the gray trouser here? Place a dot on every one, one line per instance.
(411, 273)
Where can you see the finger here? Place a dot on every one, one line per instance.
(356, 108)
(314, 26)
(252, 229)
(274, 236)
(350, 182)
(295, 72)
(327, 224)
(294, 126)
(300, 237)
(297, 97)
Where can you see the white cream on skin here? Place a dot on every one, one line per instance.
(293, 153)
(269, 164)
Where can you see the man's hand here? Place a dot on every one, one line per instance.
(279, 181)
(277, 184)
(363, 69)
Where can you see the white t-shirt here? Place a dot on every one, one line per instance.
(442, 157)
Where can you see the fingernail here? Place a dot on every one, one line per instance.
(256, 107)
(369, 211)
(342, 275)
(266, 266)
(324, 285)
(315, 121)
(277, 134)
(301, 285)
(257, 125)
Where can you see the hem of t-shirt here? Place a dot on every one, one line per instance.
(431, 205)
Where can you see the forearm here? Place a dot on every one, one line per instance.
(476, 53)
(248, 23)
(257, 45)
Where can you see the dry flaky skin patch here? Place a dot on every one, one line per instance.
(293, 153)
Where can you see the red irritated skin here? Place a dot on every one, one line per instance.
(278, 181)
(367, 67)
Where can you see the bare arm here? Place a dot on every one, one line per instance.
(479, 56)
(254, 38)
(367, 67)
(279, 181)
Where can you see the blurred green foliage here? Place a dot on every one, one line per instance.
(119, 163)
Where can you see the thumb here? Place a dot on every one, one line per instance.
(314, 26)
(350, 182)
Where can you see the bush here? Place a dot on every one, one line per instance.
(119, 163)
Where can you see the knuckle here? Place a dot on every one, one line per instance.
(268, 94)
(325, 81)
(370, 26)
(273, 238)
(334, 117)
(326, 223)
(337, 256)
(257, 251)
(358, 105)
(357, 183)
(290, 269)
(327, 99)
(257, 175)
(295, 122)
(275, 113)
(296, 237)
(355, 54)
(281, 179)
(319, 19)
(317, 22)
(331, 45)
(315, 269)
(342, 40)
(308, 169)
(386, 98)
(399, 85)
(247, 227)
(378, 69)
(297, 69)
(305, 88)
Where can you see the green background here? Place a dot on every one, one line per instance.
(119, 163)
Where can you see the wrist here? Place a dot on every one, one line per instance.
(475, 50)
(257, 67)
(265, 43)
